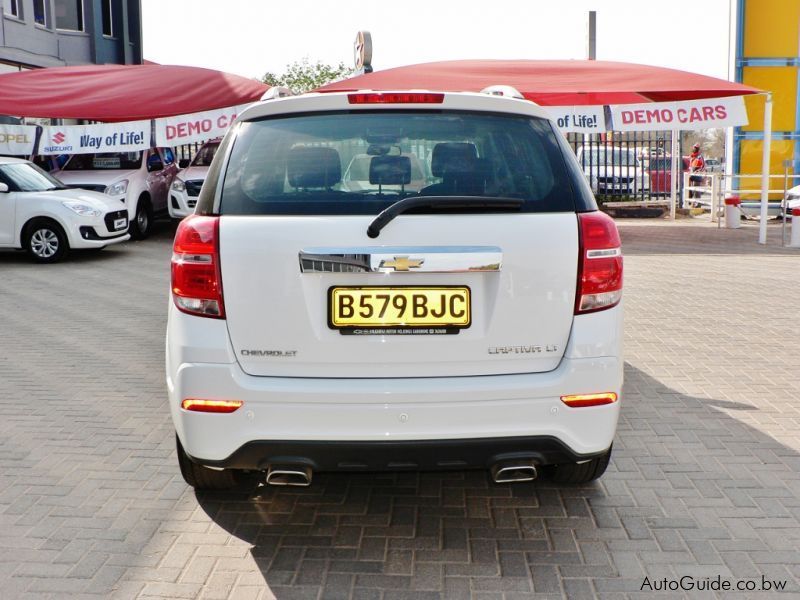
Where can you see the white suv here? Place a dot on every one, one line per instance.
(473, 323)
(186, 186)
(138, 180)
(613, 170)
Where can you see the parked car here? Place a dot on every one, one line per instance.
(613, 170)
(475, 323)
(42, 216)
(792, 200)
(660, 174)
(186, 186)
(714, 166)
(138, 180)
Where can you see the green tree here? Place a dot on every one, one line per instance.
(304, 76)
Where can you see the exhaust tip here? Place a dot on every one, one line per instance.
(514, 471)
(294, 475)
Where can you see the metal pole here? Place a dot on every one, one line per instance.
(762, 227)
(673, 180)
(784, 207)
(591, 50)
(715, 200)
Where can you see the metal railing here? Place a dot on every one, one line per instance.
(718, 186)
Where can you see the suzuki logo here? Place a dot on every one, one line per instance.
(58, 138)
(402, 263)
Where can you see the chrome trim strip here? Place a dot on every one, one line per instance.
(401, 259)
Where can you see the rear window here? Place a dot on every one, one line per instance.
(205, 155)
(661, 164)
(360, 163)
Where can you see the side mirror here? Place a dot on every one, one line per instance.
(3, 187)
(154, 164)
(183, 163)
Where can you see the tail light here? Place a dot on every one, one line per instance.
(599, 263)
(196, 278)
(395, 98)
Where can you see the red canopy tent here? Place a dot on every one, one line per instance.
(552, 82)
(114, 93)
(568, 83)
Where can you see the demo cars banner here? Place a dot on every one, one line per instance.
(693, 114)
(98, 137)
(578, 119)
(196, 127)
(17, 139)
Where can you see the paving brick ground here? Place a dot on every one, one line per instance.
(705, 479)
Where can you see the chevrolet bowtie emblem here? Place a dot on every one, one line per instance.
(402, 263)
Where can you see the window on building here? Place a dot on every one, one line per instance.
(11, 8)
(40, 13)
(69, 14)
(108, 21)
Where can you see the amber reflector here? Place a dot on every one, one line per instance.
(581, 400)
(211, 406)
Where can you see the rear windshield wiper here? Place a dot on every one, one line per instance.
(446, 202)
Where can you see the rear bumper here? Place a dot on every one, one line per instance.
(415, 455)
(421, 421)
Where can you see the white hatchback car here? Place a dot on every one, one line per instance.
(41, 215)
(473, 323)
(186, 186)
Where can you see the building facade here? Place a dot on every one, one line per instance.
(54, 33)
(767, 56)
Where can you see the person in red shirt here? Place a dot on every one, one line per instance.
(697, 164)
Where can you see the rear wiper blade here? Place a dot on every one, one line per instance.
(447, 202)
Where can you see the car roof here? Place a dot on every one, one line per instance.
(337, 101)
(10, 160)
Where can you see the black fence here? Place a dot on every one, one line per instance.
(187, 151)
(627, 166)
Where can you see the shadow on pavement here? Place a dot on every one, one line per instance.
(691, 491)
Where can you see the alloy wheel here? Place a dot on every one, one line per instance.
(44, 243)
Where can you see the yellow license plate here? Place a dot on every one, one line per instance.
(375, 309)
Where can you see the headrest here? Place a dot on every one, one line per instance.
(453, 157)
(309, 167)
(390, 170)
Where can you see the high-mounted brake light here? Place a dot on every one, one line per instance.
(196, 278)
(583, 400)
(211, 406)
(599, 263)
(395, 98)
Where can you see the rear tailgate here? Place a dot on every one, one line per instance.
(520, 305)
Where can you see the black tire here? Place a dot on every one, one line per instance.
(45, 241)
(582, 473)
(203, 478)
(142, 223)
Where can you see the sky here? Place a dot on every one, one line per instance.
(252, 37)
